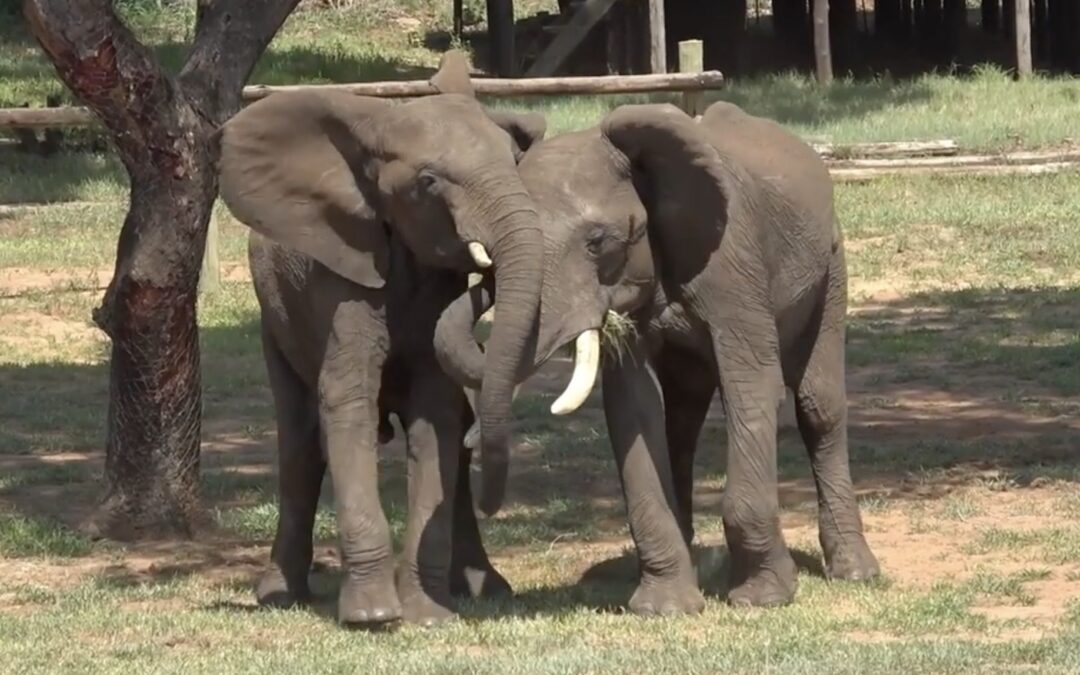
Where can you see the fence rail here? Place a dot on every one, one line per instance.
(47, 118)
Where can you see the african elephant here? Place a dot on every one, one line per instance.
(718, 239)
(367, 218)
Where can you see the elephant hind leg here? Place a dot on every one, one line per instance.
(688, 385)
(300, 474)
(821, 413)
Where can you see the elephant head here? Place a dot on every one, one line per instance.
(640, 202)
(334, 176)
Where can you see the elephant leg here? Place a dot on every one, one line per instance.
(434, 431)
(763, 572)
(634, 408)
(349, 418)
(471, 572)
(688, 386)
(300, 474)
(821, 413)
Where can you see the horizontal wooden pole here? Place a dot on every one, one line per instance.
(1011, 159)
(44, 118)
(888, 149)
(531, 86)
(858, 175)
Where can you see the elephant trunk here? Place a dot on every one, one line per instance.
(455, 345)
(517, 249)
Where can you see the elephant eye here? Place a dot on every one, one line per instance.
(595, 243)
(426, 180)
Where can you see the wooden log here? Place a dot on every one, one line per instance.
(14, 118)
(571, 35)
(888, 149)
(1010, 159)
(657, 38)
(1023, 38)
(855, 175)
(822, 50)
(45, 118)
(691, 60)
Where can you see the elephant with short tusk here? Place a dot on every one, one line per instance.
(717, 238)
(367, 218)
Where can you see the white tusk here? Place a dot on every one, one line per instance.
(479, 254)
(586, 363)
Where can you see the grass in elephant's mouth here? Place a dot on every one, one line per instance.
(616, 334)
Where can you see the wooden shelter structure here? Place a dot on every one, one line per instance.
(857, 36)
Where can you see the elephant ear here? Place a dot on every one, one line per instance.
(295, 168)
(525, 129)
(453, 75)
(687, 186)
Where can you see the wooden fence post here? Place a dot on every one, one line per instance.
(1023, 39)
(822, 51)
(692, 60)
(657, 37)
(210, 276)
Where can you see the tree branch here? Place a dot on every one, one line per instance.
(103, 64)
(230, 36)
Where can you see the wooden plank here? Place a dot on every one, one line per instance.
(571, 35)
(852, 175)
(657, 37)
(45, 118)
(692, 60)
(822, 50)
(1023, 39)
(15, 118)
(1012, 159)
(888, 149)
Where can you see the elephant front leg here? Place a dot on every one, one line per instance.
(763, 573)
(635, 416)
(471, 573)
(434, 432)
(349, 419)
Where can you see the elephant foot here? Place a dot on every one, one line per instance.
(423, 610)
(663, 597)
(479, 582)
(368, 605)
(274, 590)
(850, 559)
(769, 584)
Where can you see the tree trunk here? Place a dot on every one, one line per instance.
(1022, 30)
(162, 129)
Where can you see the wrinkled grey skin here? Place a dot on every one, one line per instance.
(361, 212)
(718, 238)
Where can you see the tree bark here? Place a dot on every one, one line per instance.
(162, 129)
(500, 18)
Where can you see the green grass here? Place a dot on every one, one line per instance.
(24, 537)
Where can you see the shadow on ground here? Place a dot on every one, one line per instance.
(945, 388)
